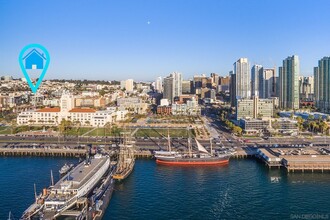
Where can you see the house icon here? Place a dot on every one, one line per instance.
(34, 60)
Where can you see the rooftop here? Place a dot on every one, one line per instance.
(81, 173)
(49, 110)
(83, 110)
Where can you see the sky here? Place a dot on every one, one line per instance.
(144, 39)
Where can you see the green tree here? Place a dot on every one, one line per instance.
(310, 117)
(324, 127)
(237, 130)
(276, 125)
(300, 122)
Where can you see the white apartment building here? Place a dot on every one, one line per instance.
(82, 116)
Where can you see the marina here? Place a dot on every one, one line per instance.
(84, 191)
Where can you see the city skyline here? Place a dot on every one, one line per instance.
(198, 39)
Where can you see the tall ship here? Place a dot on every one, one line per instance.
(71, 195)
(126, 158)
(199, 157)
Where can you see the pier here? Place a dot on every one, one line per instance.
(295, 159)
(42, 152)
(309, 163)
(306, 159)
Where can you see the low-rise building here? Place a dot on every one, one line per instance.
(251, 126)
(132, 104)
(67, 111)
(190, 108)
(164, 110)
(282, 125)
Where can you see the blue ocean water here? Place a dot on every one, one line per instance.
(245, 189)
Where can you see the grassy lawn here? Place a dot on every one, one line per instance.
(81, 131)
(100, 132)
(5, 130)
(162, 133)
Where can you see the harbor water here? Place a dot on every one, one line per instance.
(244, 189)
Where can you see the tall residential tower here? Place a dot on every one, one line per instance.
(172, 86)
(322, 85)
(243, 81)
(255, 72)
(289, 83)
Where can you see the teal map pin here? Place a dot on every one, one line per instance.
(34, 57)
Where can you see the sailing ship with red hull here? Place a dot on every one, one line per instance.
(200, 158)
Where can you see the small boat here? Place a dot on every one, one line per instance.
(66, 168)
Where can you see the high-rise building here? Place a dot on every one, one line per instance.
(224, 84)
(172, 86)
(215, 79)
(316, 86)
(267, 83)
(322, 82)
(159, 85)
(232, 88)
(289, 83)
(306, 88)
(243, 83)
(202, 81)
(187, 86)
(255, 72)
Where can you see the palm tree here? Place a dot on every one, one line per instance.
(324, 126)
(13, 125)
(62, 127)
(107, 128)
(77, 125)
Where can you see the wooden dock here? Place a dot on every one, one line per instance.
(308, 163)
(243, 153)
(42, 152)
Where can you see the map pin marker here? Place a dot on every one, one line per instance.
(34, 57)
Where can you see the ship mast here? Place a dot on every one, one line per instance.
(211, 152)
(189, 143)
(51, 177)
(169, 140)
(35, 192)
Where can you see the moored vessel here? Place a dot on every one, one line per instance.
(199, 157)
(66, 168)
(71, 194)
(126, 159)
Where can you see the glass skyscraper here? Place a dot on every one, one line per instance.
(321, 84)
(289, 83)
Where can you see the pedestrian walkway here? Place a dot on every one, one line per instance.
(133, 133)
(89, 131)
